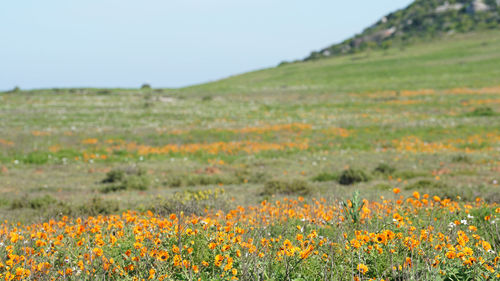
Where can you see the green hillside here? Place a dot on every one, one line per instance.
(422, 20)
(465, 60)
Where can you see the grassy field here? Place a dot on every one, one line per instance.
(424, 120)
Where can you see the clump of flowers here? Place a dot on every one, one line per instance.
(417, 237)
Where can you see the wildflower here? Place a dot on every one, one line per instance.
(218, 260)
(467, 251)
(363, 269)
(381, 238)
(451, 254)
(152, 273)
(97, 251)
(486, 246)
(416, 195)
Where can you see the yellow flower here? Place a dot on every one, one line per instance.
(98, 252)
(363, 269)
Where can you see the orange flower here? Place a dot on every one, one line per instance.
(416, 195)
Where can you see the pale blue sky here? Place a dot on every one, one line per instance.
(167, 43)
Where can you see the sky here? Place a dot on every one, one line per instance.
(166, 43)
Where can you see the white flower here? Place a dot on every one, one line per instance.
(469, 216)
(491, 251)
(463, 222)
(1, 244)
(451, 225)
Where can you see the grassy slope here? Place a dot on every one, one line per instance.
(470, 60)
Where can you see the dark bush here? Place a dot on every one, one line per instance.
(114, 176)
(461, 158)
(482, 111)
(97, 206)
(287, 187)
(201, 180)
(207, 98)
(384, 169)
(352, 176)
(104, 92)
(145, 86)
(128, 178)
(15, 90)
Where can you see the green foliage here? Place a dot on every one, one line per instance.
(35, 203)
(407, 174)
(49, 207)
(114, 176)
(97, 206)
(190, 179)
(190, 202)
(352, 176)
(326, 176)
(128, 178)
(36, 157)
(384, 169)
(145, 86)
(383, 186)
(353, 207)
(16, 89)
(104, 92)
(461, 158)
(207, 98)
(426, 185)
(482, 112)
(287, 187)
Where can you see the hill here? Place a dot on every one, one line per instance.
(462, 60)
(422, 20)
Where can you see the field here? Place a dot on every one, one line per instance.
(380, 165)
